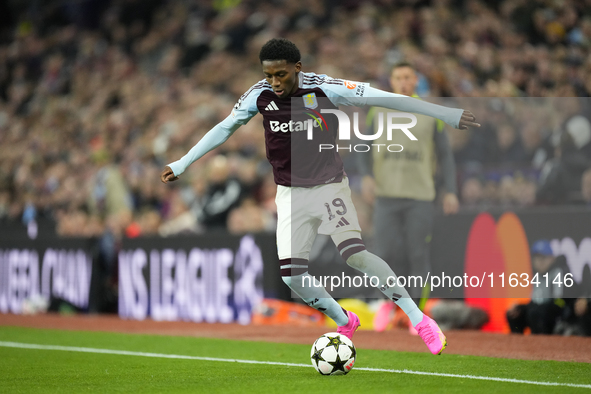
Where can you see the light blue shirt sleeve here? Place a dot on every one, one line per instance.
(361, 94)
(214, 138)
(242, 112)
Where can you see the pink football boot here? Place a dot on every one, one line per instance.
(349, 329)
(431, 334)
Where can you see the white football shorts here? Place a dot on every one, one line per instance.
(303, 212)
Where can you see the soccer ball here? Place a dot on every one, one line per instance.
(333, 354)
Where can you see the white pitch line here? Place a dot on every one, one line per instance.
(231, 360)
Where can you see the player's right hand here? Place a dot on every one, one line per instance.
(167, 175)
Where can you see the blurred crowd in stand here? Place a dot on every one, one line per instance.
(97, 96)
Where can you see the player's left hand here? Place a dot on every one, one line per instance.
(451, 205)
(468, 120)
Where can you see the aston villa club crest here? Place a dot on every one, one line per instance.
(310, 100)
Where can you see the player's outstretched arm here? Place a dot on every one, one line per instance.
(214, 138)
(243, 111)
(365, 95)
(457, 118)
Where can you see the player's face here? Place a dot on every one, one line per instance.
(403, 80)
(282, 76)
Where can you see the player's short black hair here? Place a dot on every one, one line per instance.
(280, 49)
(401, 64)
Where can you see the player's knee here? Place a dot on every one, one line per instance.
(363, 259)
(353, 251)
(357, 261)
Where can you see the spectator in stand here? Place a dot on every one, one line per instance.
(531, 140)
(109, 194)
(149, 222)
(222, 195)
(524, 192)
(250, 218)
(180, 221)
(562, 181)
(582, 321)
(546, 308)
(472, 193)
(508, 148)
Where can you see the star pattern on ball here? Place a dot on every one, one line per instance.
(338, 365)
(317, 356)
(353, 351)
(335, 342)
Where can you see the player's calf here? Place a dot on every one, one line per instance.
(294, 272)
(354, 252)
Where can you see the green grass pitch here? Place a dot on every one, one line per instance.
(40, 370)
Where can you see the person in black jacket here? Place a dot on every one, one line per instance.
(222, 195)
(561, 178)
(547, 304)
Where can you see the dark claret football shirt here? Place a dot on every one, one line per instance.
(297, 160)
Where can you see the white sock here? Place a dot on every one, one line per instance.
(411, 309)
(315, 295)
(372, 265)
